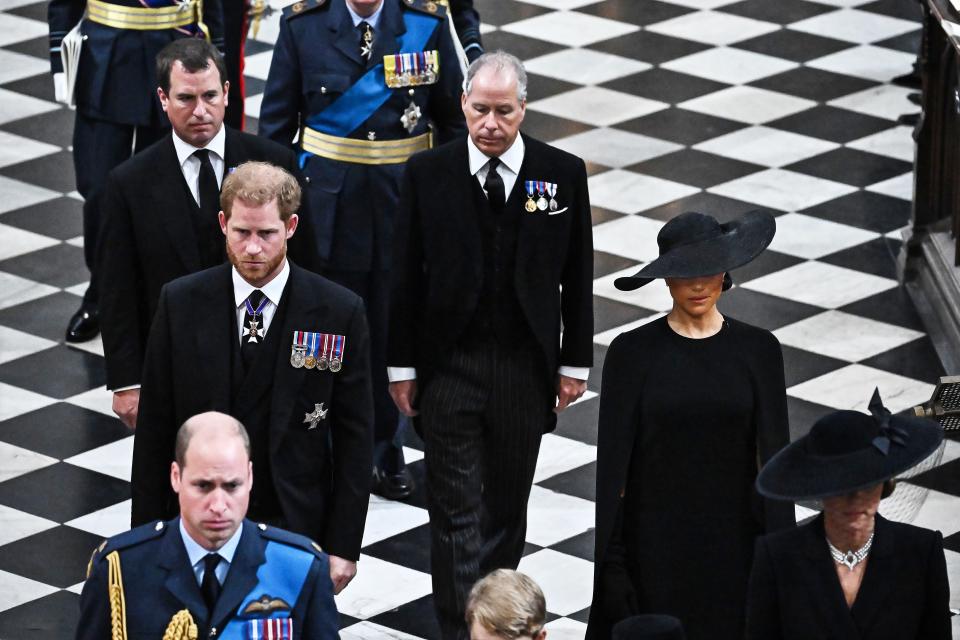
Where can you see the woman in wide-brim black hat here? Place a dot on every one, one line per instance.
(850, 573)
(690, 403)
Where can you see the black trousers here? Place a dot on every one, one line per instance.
(482, 416)
(98, 147)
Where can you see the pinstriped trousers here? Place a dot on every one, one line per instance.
(482, 416)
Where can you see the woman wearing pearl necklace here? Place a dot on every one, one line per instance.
(849, 573)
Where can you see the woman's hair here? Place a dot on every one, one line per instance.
(889, 486)
(507, 603)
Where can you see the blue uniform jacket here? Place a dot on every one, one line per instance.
(158, 581)
(316, 59)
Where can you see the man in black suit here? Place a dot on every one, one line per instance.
(281, 349)
(494, 252)
(161, 206)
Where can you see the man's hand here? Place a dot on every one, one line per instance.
(126, 404)
(568, 391)
(403, 393)
(341, 572)
(60, 93)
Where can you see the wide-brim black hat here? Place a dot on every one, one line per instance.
(696, 244)
(846, 451)
(648, 627)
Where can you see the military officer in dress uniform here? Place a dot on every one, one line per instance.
(210, 572)
(362, 85)
(117, 107)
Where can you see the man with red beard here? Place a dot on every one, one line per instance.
(281, 349)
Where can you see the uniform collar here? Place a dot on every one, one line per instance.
(512, 157)
(184, 149)
(273, 289)
(373, 20)
(196, 553)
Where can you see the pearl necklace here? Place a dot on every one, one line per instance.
(851, 559)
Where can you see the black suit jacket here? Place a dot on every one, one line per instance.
(147, 240)
(438, 264)
(322, 475)
(795, 592)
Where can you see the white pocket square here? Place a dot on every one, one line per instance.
(558, 211)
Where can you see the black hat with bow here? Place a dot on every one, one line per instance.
(846, 451)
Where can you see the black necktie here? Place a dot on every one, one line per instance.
(253, 331)
(208, 191)
(494, 185)
(366, 40)
(210, 586)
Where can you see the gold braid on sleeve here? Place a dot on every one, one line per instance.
(118, 607)
(181, 627)
(198, 13)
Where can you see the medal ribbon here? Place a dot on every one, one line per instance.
(314, 340)
(530, 186)
(338, 347)
(551, 189)
(540, 187)
(325, 337)
(256, 312)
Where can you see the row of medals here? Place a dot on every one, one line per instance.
(299, 360)
(540, 203)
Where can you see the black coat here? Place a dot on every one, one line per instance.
(438, 266)
(147, 240)
(322, 475)
(795, 592)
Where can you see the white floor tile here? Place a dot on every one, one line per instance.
(842, 3)
(380, 586)
(93, 345)
(16, 29)
(15, 194)
(15, 66)
(606, 337)
(105, 522)
(16, 461)
(896, 142)
(15, 401)
(630, 236)
(941, 512)
(885, 101)
(559, 455)
(565, 580)
(96, 400)
(411, 455)
(565, 629)
(701, 4)
(17, 106)
(257, 65)
(17, 524)
(854, 25)
(17, 241)
(733, 66)
(252, 104)
(628, 192)
(614, 147)
(367, 630)
(808, 237)
(76, 588)
(866, 61)
(765, 146)
(560, 4)
(114, 459)
(79, 288)
(16, 590)
(584, 66)
(15, 290)
(17, 344)
(782, 189)
(748, 104)
(597, 106)
(713, 27)
(552, 516)
(569, 28)
(852, 387)
(953, 577)
(820, 284)
(898, 187)
(270, 25)
(15, 149)
(845, 336)
(655, 296)
(387, 518)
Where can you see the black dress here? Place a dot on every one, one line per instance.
(683, 424)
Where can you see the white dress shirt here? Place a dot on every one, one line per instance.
(509, 169)
(190, 164)
(196, 554)
(272, 290)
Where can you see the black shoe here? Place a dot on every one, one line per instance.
(909, 80)
(392, 486)
(909, 119)
(84, 325)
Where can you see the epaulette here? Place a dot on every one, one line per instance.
(126, 540)
(437, 8)
(301, 7)
(289, 538)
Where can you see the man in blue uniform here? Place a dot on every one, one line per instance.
(210, 569)
(117, 108)
(365, 84)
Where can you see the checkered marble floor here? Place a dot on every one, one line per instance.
(677, 105)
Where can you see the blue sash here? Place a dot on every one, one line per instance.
(368, 94)
(281, 576)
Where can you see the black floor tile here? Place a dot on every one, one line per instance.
(579, 421)
(681, 126)
(418, 618)
(802, 416)
(253, 47)
(895, 9)
(61, 218)
(664, 85)
(39, 86)
(608, 314)
(53, 617)
(539, 87)
(762, 310)
(594, 168)
(916, 359)
(951, 543)
(46, 317)
(53, 127)
(596, 373)
(62, 492)
(782, 12)
(253, 86)
(639, 12)
(520, 46)
(604, 263)
(549, 128)
(793, 45)
(866, 210)
(500, 12)
(599, 215)
(36, 47)
(35, 11)
(800, 366)
(60, 265)
(649, 47)
(56, 556)
(62, 430)
(767, 262)
(581, 616)
(579, 546)
(877, 256)
(722, 208)
(54, 172)
(695, 168)
(814, 84)
(892, 306)
(830, 123)
(580, 482)
(75, 372)
(851, 166)
(344, 621)
(410, 549)
(945, 478)
(907, 42)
